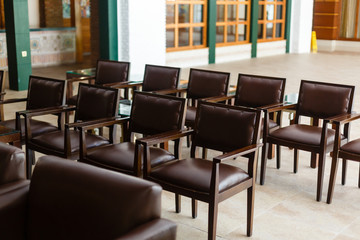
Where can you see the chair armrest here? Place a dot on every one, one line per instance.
(2, 93)
(13, 100)
(218, 98)
(155, 229)
(164, 137)
(237, 152)
(279, 107)
(79, 79)
(103, 122)
(343, 118)
(170, 91)
(128, 84)
(45, 111)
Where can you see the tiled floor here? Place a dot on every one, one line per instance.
(285, 207)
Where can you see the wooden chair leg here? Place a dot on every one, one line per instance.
(333, 171)
(188, 141)
(250, 210)
(177, 203)
(278, 157)
(344, 170)
(296, 160)
(314, 160)
(320, 180)
(263, 163)
(271, 151)
(359, 176)
(194, 207)
(213, 212)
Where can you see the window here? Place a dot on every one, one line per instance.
(233, 22)
(271, 20)
(350, 20)
(185, 24)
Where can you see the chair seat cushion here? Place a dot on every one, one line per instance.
(352, 147)
(37, 127)
(305, 134)
(195, 174)
(190, 116)
(55, 141)
(121, 156)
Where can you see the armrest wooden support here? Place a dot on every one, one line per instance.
(279, 107)
(218, 98)
(343, 118)
(79, 79)
(88, 125)
(13, 100)
(120, 85)
(237, 152)
(170, 91)
(164, 137)
(45, 111)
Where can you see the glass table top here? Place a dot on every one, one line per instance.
(82, 72)
(7, 131)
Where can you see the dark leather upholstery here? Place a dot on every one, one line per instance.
(55, 140)
(108, 71)
(223, 128)
(322, 101)
(160, 78)
(352, 147)
(37, 127)
(95, 103)
(121, 156)
(69, 200)
(150, 114)
(233, 129)
(42, 93)
(13, 192)
(305, 134)
(205, 83)
(257, 91)
(317, 100)
(195, 173)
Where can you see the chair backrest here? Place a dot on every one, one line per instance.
(72, 200)
(205, 83)
(1, 83)
(225, 128)
(108, 71)
(160, 78)
(96, 102)
(256, 91)
(12, 167)
(323, 100)
(45, 92)
(154, 113)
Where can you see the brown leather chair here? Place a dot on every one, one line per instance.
(348, 151)
(70, 200)
(42, 93)
(156, 78)
(237, 134)
(150, 114)
(259, 92)
(13, 192)
(107, 73)
(317, 100)
(94, 104)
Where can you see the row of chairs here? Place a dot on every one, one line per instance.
(215, 127)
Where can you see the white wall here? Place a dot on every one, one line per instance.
(34, 14)
(141, 34)
(301, 26)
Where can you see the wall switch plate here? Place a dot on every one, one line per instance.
(24, 53)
